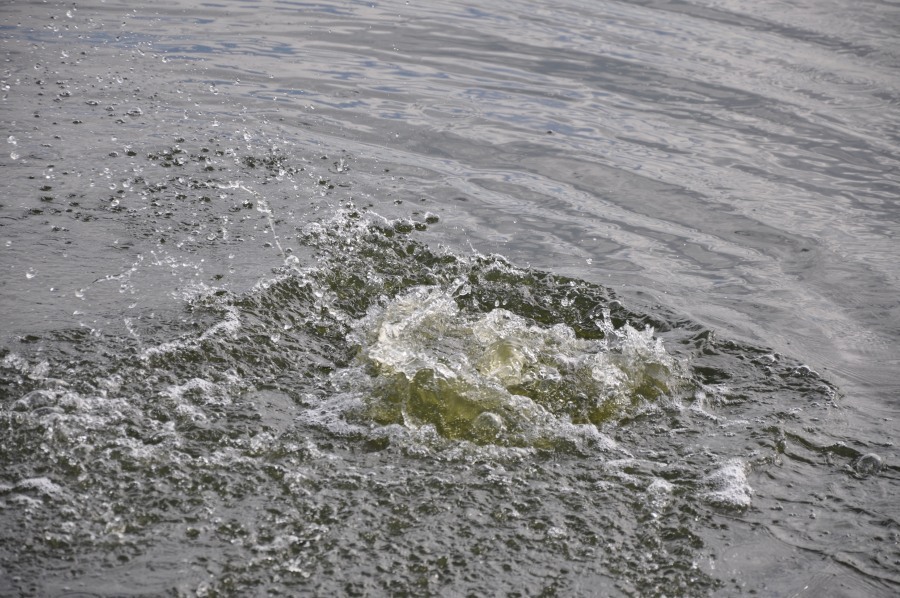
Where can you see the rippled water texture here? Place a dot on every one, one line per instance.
(389, 298)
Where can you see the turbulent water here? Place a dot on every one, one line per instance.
(390, 298)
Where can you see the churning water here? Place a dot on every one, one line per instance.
(407, 298)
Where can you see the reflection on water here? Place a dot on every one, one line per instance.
(372, 298)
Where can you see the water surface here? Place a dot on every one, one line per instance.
(410, 299)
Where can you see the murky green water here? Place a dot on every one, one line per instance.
(388, 299)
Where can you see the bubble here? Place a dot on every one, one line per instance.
(488, 426)
(866, 465)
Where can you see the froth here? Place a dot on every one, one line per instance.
(728, 485)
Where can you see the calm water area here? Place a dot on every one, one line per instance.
(448, 298)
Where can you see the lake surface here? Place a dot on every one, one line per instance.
(450, 298)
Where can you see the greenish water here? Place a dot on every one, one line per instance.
(380, 299)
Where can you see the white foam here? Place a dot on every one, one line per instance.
(41, 484)
(728, 485)
(36, 371)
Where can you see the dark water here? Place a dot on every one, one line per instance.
(404, 298)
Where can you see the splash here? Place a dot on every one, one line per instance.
(386, 373)
(499, 377)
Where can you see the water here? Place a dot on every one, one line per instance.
(449, 299)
